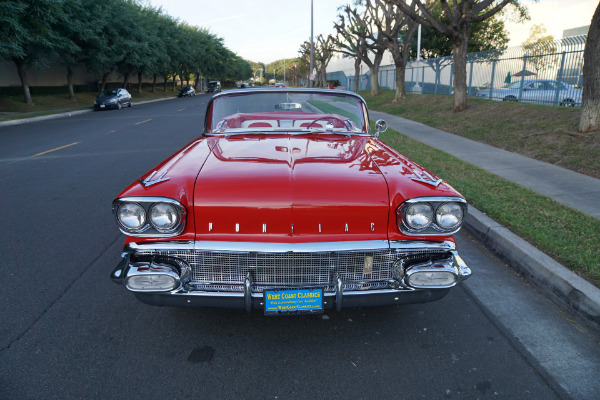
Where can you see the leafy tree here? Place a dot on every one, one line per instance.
(460, 15)
(78, 29)
(590, 111)
(537, 48)
(360, 29)
(487, 39)
(29, 34)
(397, 29)
(351, 43)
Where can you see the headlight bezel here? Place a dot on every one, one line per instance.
(433, 228)
(149, 229)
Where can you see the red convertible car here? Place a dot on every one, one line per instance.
(288, 203)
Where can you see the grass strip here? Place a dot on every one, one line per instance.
(546, 133)
(329, 109)
(565, 234)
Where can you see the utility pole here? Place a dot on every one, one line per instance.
(312, 56)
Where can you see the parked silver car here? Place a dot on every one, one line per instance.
(540, 91)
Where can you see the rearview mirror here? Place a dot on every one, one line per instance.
(380, 127)
(287, 106)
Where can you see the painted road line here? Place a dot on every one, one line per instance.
(137, 123)
(58, 148)
(181, 109)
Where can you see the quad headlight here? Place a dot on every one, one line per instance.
(431, 215)
(163, 216)
(149, 216)
(131, 216)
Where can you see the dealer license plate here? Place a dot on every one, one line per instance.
(293, 301)
(102, 106)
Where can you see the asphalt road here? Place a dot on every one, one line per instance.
(68, 332)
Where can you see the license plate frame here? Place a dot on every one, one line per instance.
(293, 301)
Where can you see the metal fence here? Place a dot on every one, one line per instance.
(546, 73)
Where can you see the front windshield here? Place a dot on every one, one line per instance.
(109, 92)
(287, 110)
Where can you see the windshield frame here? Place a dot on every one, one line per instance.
(362, 111)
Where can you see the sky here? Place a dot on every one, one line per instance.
(270, 30)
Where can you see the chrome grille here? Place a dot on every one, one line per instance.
(227, 271)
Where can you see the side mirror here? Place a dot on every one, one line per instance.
(380, 127)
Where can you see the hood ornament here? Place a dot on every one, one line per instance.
(149, 181)
(426, 177)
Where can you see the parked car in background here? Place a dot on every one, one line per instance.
(214, 87)
(540, 91)
(280, 84)
(187, 91)
(288, 203)
(112, 98)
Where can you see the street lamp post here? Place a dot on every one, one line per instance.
(311, 47)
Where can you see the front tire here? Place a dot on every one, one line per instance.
(509, 98)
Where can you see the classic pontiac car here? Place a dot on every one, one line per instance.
(289, 204)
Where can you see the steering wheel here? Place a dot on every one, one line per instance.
(322, 118)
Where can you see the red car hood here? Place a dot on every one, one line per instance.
(282, 188)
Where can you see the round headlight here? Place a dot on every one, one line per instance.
(449, 215)
(131, 216)
(419, 216)
(164, 216)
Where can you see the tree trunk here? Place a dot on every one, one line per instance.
(140, 76)
(374, 67)
(400, 83)
(356, 74)
(589, 120)
(24, 80)
(70, 84)
(459, 57)
(174, 81)
(125, 80)
(103, 85)
(165, 79)
(154, 83)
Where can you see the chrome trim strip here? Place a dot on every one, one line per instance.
(259, 295)
(437, 199)
(248, 295)
(422, 245)
(291, 247)
(149, 181)
(338, 294)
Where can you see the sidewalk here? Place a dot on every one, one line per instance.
(567, 187)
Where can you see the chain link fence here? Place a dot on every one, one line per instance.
(546, 73)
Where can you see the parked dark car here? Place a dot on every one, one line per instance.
(214, 87)
(187, 91)
(112, 98)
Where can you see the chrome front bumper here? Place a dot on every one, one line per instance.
(172, 268)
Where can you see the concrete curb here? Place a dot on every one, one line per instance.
(563, 286)
(66, 114)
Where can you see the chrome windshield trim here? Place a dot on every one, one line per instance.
(262, 247)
